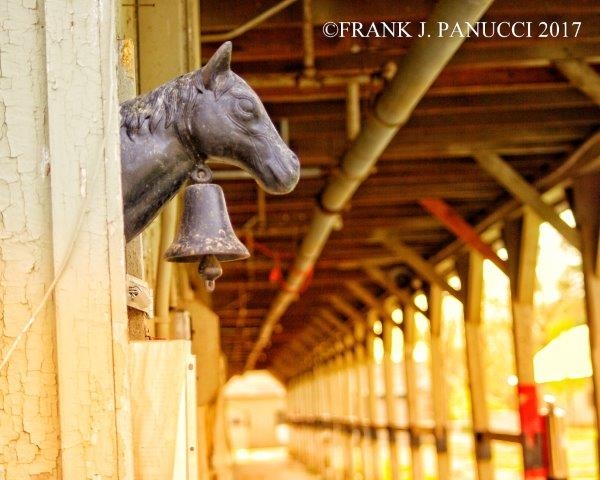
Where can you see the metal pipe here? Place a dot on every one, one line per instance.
(249, 25)
(416, 72)
(168, 225)
(352, 109)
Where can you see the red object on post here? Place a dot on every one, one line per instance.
(532, 431)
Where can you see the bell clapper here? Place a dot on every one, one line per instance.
(210, 269)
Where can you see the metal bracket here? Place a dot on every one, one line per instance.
(140, 295)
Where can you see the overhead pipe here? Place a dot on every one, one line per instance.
(352, 109)
(249, 25)
(417, 70)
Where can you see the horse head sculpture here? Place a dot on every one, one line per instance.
(207, 115)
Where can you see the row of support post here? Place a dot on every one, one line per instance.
(346, 409)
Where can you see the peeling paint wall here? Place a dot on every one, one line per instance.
(29, 445)
(64, 394)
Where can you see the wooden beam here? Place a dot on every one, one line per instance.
(512, 181)
(379, 261)
(366, 297)
(384, 281)
(334, 320)
(461, 228)
(421, 266)
(552, 184)
(582, 76)
(339, 304)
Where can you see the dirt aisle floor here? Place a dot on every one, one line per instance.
(271, 467)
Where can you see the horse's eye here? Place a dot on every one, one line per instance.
(246, 107)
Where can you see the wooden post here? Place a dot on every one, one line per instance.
(343, 416)
(90, 296)
(363, 411)
(374, 420)
(134, 256)
(336, 400)
(316, 394)
(330, 379)
(390, 399)
(304, 413)
(350, 413)
(470, 271)
(299, 414)
(29, 419)
(438, 383)
(586, 190)
(322, 451)
(521, 241)
(410, 338)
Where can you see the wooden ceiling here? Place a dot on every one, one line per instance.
(506, 96)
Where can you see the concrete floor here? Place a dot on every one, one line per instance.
(271, 464)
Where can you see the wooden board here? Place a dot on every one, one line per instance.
(160, 384)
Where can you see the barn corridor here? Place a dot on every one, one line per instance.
(300, 240)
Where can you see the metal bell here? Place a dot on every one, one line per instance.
(205, 233)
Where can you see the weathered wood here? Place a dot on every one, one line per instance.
(524, 192)
(29, 417)
(134, 249)
(91, 330)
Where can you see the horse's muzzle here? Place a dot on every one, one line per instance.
(284, 174)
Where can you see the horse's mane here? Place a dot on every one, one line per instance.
(164, 104)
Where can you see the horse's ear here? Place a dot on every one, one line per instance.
(217, 65)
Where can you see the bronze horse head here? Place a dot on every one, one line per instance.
(207, 115)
